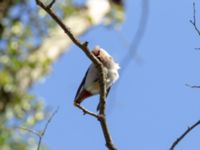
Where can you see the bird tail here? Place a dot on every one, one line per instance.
(80, 97)
(98, 107)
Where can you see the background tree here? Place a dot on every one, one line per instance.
(30, 43)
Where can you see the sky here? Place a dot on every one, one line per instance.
(150, 106)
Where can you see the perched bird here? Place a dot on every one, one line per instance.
(90, 83)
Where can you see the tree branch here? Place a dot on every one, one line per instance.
(179, 139)
(31, 131)
(56, 44)
(85, 111)
(192, 86)
(139, 35)
(84, 47)
(193, 22)
(51, 4)
(184, 134)
(38, 133)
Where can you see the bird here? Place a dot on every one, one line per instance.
(90, 84)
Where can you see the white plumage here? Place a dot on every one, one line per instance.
(90, 83)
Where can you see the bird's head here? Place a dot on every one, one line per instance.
(104, 57)
(108, 62)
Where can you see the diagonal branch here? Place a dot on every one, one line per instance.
(139, 35)
(193, 22)
(41, 134)
(45, 128)
(31, 131)
(192, 86)
(54, 45)
(179, 139)
(84, 47)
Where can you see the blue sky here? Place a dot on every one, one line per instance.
(150, 106)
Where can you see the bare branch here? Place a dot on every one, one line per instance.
(41, 134)
(84, 47)
(49, 52)
(179, 139)
(193, 22)
(31, 131)
(193, 86)
(137, 39)
(186, 132)
(45, 128)
(70, 35)
(51, 4)
(85, 111)
(49, 120)
(106, 133)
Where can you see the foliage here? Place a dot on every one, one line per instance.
(115, 16)
(23, 28)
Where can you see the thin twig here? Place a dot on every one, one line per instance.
(49, 120)
(51, 4)
(179, 139)
(30, 130)
(193, 86)
(84, 47)
(183, 135)
(132, 53)
(193, 22)
(85, 111)
(139, 35)
(38, 133)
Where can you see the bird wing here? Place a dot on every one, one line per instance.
(107, 92)
(82, 83)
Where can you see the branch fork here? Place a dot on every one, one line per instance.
(193, 22)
